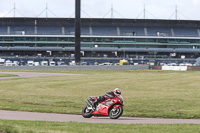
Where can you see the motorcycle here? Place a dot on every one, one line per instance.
(110, 107)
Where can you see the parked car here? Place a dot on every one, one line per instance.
(52, 63)
(105, 64)
(44, 63)
(36, 63)
(2, 62)
(9, 63)
(30, 63)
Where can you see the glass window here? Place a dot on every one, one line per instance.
(140, 40)
(119, 40)
(51, 39)
(172, 41)
(20, 39)
(30, 45)
(63, 39)
(162, 41)
(41, 38)
(107, 39)
(71, 40)
(183, 41)
(65, 45)
(19, 44)
(85, 39)
(8, 38)
(30, 39)
(150, 40)
(97, 39)
(87, 45)
(194, 41)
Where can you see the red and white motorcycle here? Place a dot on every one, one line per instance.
(110, 107)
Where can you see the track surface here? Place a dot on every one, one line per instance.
(19, 115)
(33, 74)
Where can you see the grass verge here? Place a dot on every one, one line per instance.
(8, 75)
(146, 93)
(74, 127)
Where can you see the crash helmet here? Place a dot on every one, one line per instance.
(117, 91)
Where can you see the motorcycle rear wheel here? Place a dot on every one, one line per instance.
(86, 113)
(116, 113)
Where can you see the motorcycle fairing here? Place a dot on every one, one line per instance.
(102, 108)
(116, 106)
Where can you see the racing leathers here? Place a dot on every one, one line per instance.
(108, 95)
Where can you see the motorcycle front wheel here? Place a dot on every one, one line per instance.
(86, 113)
(116, 113)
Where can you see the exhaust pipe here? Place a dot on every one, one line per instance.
(88, 103)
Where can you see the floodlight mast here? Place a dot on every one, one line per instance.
(77, 31)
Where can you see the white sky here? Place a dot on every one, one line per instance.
(160, 9)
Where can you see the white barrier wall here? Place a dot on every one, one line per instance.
(175, 68)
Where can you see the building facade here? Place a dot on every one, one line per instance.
(114, 38)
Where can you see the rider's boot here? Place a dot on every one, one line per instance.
(95, 103)
(99, 99)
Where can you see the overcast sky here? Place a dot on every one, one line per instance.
(155, 9)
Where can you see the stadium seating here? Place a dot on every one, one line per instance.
(99, 30)
(49, 30)
(158, 31)
(3, 30)
(104, 30)
(109, 36)
(21, 30)
(69, 30)
(85, 30)
(185, 32)
(132, 31)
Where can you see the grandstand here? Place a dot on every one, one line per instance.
(108, 38)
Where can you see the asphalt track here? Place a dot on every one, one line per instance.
(33, 116)
(34, 74)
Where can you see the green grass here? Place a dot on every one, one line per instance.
(74, 127)
(7, 75)
(164, 94)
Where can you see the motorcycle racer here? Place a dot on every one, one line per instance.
(108, 95)
(111, 104)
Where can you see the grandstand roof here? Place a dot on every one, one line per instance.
(100, 22)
